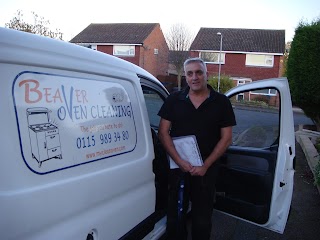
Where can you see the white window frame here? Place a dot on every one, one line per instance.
(264, 61)
(124, 50)
(222, 60)
(271, 92)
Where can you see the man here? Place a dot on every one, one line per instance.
(197, 110)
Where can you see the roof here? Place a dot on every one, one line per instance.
(240, 40)
(123, 33)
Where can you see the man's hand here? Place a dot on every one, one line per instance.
(185, 166)
(198, 171)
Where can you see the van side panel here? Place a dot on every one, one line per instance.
(76, 148)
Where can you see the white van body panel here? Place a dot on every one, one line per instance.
(284, 177)
(69, 194)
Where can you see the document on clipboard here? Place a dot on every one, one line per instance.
(188, 149)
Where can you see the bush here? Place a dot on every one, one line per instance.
(264, 99)
(303, 70)
(226, 83)
(254, 103)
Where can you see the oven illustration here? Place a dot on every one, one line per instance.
(44, 136)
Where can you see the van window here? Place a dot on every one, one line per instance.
(250, 131)
(154, 102)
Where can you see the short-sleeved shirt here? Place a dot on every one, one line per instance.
(205, 122)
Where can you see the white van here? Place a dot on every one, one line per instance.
(80, 158)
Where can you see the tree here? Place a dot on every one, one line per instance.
(303, 70)
(40, 26)
(179, 40)
(285, 59)
(226, 83)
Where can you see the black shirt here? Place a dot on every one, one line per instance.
(205, 122)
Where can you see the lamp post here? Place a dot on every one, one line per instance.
(219, 33)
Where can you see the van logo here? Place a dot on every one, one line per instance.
(89, 120)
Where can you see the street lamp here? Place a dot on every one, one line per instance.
(219, 33)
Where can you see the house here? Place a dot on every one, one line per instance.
(140, 43)
(246, 54)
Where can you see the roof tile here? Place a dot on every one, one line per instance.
(125, 33)
(240, 40)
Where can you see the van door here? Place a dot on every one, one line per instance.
(256, 175)
(155, 95)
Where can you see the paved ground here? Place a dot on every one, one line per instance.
(303, 222)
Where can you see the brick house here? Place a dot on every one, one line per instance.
(246, 54)
(140, 43)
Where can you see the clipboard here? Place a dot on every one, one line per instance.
(188, 149)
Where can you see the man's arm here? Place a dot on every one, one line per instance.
(220, 148)
(166, 140)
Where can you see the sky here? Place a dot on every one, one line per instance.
(72, 16)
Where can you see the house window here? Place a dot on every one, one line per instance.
(212, 57)
(268, 92)
(259, 60)
(123, 50)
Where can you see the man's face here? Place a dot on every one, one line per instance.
(196, 76)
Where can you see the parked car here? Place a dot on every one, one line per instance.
(80, 158)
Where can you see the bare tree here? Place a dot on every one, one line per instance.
(40, 26)
(179, 40)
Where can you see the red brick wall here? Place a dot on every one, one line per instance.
(105, 48)
(109, 50)
(156, 64)
(235, 67)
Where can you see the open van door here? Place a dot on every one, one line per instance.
(256, 178)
